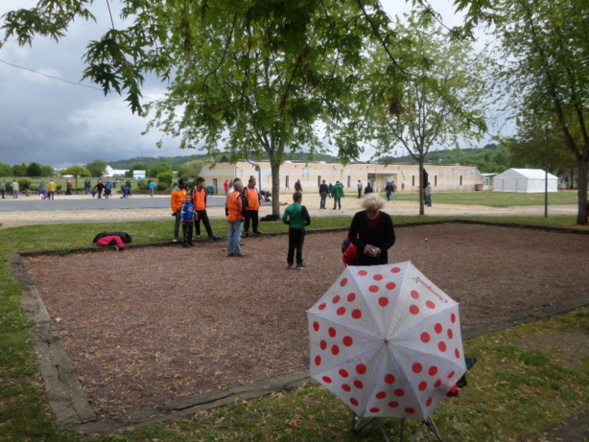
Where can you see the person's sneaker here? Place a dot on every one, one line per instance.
(214, 237)
(258, 232)
(289, 267)
(175, 240)
(301, 267)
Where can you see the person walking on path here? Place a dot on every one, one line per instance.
(428, 195)
(151, 186)
(372, 232)
(234, 210)
(298, 186)
(51, 188)
(253, 198)
(99, 188)
(69, 188)
(359, 185)
(88, 186)
(297, 217)
(199, 199)
(177, 197)
(188, 215)
(15, 189)
(226, 186)
(323, 191)
(3, 189)
(338, 193)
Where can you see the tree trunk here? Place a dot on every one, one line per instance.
(582, 191)
(275, 187)
(421, 187)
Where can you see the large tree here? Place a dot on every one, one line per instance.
(435, 97)
(254, 75)
(546, 72)
(76, 171)
(96, 167)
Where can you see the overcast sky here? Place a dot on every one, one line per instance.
(54, 122)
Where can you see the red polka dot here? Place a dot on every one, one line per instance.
(323, 344)
(393, 404)
(343, 373)
(416, 367)
(326, 379)
(373, 288)
(430, 304)
(383, 302)
(389, 379)
(317, 360)
(391, 285)
(399, 392)
(343, 282)
(378, 277)
(334, 350)
(359, 384)
(429, 401)
(453, 318)
(451, 374)
(348, 341)
(438, 328)
(433, 370)
(332, 332)
(395, 270)
(442, 346)
(360, 368)
(336, 299)
(413, 309)
(414, 294)
(438, 383)
(362, 273)
(450, 333)
(322, 306)
(316, 326)
(351, 297)
(381, 395)
(374, 410)
(422, 386)
(346, 387)
(341, 311)
(356, 313)
(425, 337)
(409, 410)
(457, 353)
(354, 401)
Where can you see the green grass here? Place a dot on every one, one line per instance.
(495, 199)
(514, 390)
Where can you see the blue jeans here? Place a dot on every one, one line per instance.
(234, 237)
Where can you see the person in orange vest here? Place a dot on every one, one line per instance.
(199, 199)
(177, 197)
(253, 199)
(234, 210)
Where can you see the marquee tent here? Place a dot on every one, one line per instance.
(524, 181)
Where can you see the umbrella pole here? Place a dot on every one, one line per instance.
(429, 423)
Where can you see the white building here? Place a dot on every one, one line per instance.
(406, 177)
(110, 172)
(524, 181)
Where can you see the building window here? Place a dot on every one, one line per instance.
(286, 182)
(413, 180)
(461, 180)
(349, 181)
(435, 181)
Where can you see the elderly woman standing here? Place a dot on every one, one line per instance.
(372, 232)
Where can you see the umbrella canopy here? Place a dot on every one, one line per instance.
(386, 341)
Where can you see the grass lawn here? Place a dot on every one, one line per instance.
(514, 391)
(495, 199)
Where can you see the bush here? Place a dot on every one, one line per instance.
(141, 184)
(162, 186)
(165, 177)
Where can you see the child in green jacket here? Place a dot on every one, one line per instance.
(297, 217)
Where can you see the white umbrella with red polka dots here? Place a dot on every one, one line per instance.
(386, 341)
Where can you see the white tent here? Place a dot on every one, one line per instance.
(524, 181)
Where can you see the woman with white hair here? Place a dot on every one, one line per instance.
(372, 232)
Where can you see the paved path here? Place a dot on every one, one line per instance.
(83, 208)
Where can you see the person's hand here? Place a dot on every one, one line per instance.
(371, 250)
(173, 213)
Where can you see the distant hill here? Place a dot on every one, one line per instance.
(488, 159)
(178, 161)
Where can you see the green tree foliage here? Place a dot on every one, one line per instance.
(158, 168)
(545, 70)
(439, 99)
(19, 170)
(76, 171)
(47, 170)
(96, 167)
(34, 170)
(165, 177)
(5, 170)
(190, 169)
